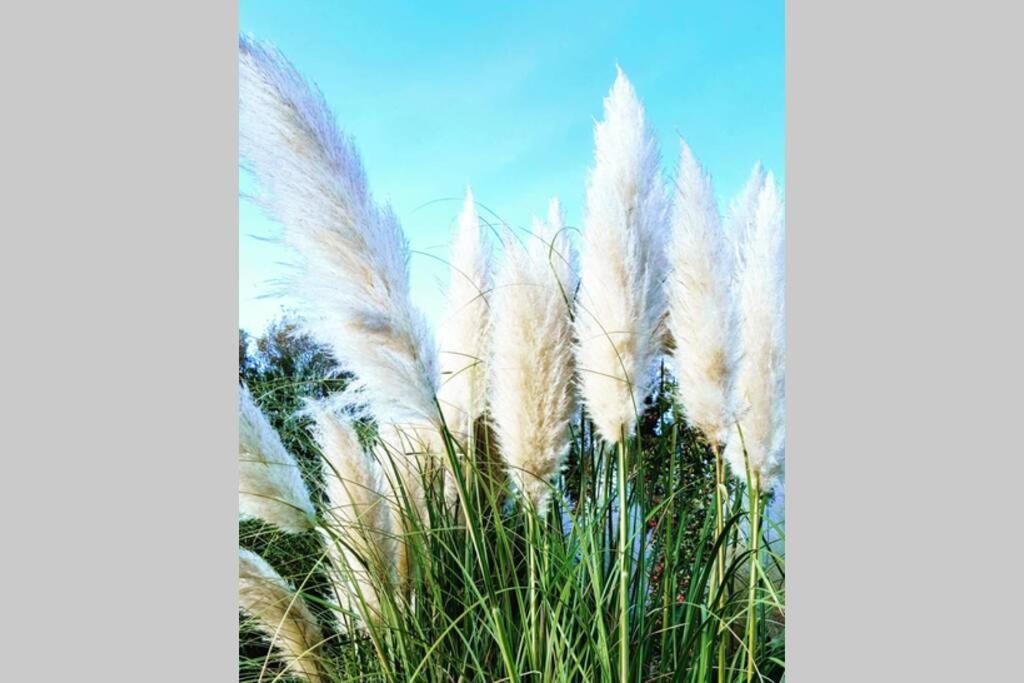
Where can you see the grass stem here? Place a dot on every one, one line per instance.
(623, 567)
(719, 574)
(755, 533)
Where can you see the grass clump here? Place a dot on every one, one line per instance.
(453, 514)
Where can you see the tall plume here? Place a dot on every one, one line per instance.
(532, 398)
(620, 318)
(700, 308)
(280, 613)
(760, 385)
(270, 486)
(739, 221)
(352, 279)
(463, 336)
(357, 522)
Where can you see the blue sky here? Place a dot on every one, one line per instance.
(503, 96)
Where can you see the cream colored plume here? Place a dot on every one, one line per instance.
(760, 383)
(351, 280)
(700, 309)
(464, 331)
(358, 518)
(621, 311)
(281, 614)
(532, 393)
(270, 486)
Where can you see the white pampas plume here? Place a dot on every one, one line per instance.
(280, 613)
(532, 398)
(740, 219)
(352, 280)
(270, 486)
(760, 381)
(463, 334)
(620, 318)
(700, 308)
(357, 521)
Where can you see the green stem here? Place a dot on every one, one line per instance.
(506, 655)
(668, 567)
(532, 591)
(755, 533)
(623, 569)
(719, 574)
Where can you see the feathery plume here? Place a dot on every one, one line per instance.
(532, 397)
(352, 279)
(280, 613)
(620, 320)
(270, 486)
(760, 382)
(700, 309)
(357, 525)
(740, 219)
(463, 335)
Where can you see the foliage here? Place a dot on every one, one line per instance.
(282, 367)
(498, 593)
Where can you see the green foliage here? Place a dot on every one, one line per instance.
(498, 593)
(281, 368)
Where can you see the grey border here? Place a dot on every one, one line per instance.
(903, 166)
(118, 149)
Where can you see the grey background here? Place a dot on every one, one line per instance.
(118, 269)
(904, 330)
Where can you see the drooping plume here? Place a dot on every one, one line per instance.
(270, 485)
(700, 308)
(532, 397)
(358, 519)
(351, 280)
(464, 331)
(760, 383)
(280, 613)
(621, 312)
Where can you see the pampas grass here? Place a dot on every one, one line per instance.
(532, 397)
(351, 279)
(280, 613)
(620, 319)
(755, 449)
(634, 573)
(270, 485)
(358, 518)
(739, 221)
(759, 440)
(701, 318)
(463, 333)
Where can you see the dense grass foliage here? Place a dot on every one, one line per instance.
(496, 592)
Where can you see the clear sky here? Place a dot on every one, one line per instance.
(503, 97)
